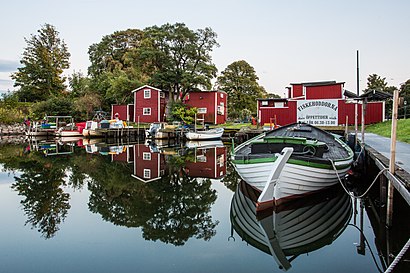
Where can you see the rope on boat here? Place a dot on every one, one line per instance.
(349, 193)
(398, 257)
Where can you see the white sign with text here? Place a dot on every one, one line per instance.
(318, 112)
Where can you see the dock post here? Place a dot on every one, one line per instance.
(392, 158)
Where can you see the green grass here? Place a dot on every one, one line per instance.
(384, 129)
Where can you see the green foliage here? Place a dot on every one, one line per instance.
(114, 70)
(239, 80)
(13, 111)
(375, 82)
(404, 110)
(43, 62)
(54, 107)
(110, 54)
(178, 58)
(180, 112)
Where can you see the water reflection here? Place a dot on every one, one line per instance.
(166, 191)
(297, 227)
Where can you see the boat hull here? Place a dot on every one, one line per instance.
(205, 135)
(295, 180)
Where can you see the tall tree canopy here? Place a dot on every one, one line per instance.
(171, 57)
(113, 71)
(239, 80)
(43, 62)
(179, 58)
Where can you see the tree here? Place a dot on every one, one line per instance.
(239, 80)
(44, 59)
(178, 58)
(375, 82)
(114, 70)
(109, 55)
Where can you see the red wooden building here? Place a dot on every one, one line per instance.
(317, 103)
(149, 104)
(126, 112)
(211, 105)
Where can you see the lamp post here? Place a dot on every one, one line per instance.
(405, 108)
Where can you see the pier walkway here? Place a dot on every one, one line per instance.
(382, 145)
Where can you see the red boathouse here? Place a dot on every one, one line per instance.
(317, 103)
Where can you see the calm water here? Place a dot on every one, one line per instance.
(141, 208)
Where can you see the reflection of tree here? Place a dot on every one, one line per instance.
(171, 209)
(182, 210)
(232, 178)
(45, 204)
(40, 183)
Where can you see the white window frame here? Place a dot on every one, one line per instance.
(264, 103)
(146, 156)
(222, 95)
(162, 95)
(279, 104)
(146, 113)
(202, 110)
(147, 173)
(147, 93)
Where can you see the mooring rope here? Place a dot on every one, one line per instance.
(347, 191)
(398, 257)
(360, 153)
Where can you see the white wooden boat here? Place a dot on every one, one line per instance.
(292, 160)
(215, 133)
(292, 229)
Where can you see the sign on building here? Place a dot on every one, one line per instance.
(318, 112)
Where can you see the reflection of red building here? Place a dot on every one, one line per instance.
(208, 163)
(148, 166)
(122, 154)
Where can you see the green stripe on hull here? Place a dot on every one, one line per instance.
(292, 161)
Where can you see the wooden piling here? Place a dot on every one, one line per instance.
(392, 158)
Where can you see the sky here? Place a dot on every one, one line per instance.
(285, 41)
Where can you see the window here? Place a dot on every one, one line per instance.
(147, 93)
(147, 173)
(221, 109)
(146, 156)
(264, 103)
(222, 95)
(162, 95)
(279, 104)
(146, 111)
(201, 110)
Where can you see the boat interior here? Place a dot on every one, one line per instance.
(307, 141)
